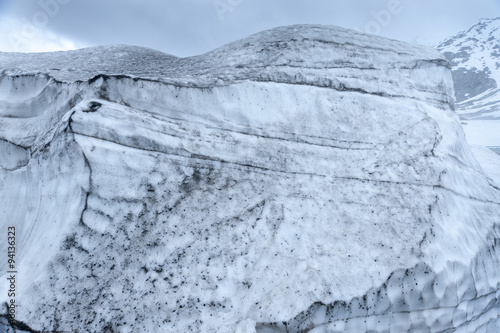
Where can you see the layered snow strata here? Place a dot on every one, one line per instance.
(305, 178)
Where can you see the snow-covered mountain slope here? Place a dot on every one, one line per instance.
(475, 57)
(307, 178)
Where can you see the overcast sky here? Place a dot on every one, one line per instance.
(190, 27)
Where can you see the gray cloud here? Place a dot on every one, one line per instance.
(189, 27)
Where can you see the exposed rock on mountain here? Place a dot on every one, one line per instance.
(307, 178)
(475, 57)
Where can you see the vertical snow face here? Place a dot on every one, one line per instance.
(43, 175)
(307, 178)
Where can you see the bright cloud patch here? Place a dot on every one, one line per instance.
(22, 35)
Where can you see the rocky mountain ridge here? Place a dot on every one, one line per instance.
(475, 58)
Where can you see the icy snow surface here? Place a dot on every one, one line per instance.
(306, 178)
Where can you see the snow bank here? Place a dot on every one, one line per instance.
(305, 178)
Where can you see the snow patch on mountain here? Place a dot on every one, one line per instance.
(475, 57)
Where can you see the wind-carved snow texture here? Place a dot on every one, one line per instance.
(307, 178)
(475, 58)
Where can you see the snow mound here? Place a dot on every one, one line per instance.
(307, 178)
